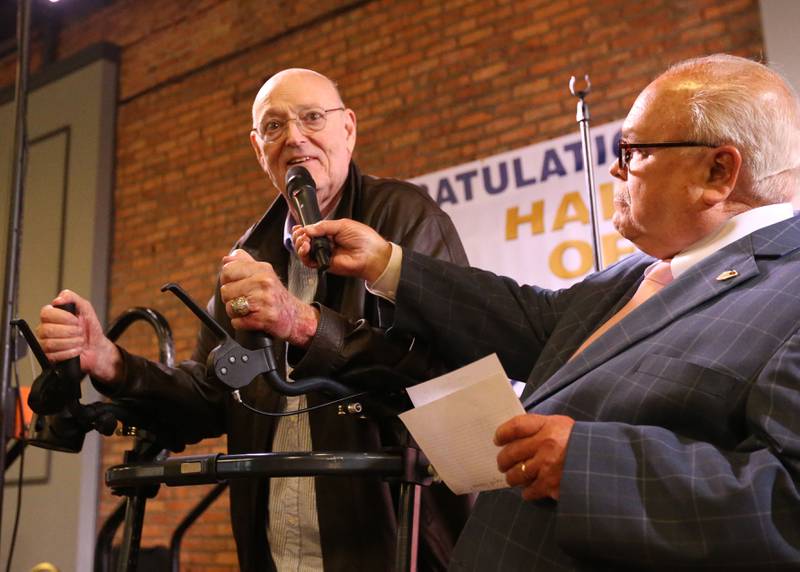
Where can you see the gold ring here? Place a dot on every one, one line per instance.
(240, 307)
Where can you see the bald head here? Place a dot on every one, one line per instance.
(292, 78)
(731, 100)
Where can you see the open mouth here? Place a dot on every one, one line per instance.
(298, 160)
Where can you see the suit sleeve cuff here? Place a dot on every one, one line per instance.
(597, 497)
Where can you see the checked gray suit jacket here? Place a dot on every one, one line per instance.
(686, 449)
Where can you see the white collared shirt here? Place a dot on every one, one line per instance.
(734, 228)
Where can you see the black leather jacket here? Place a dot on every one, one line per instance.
(356, 514)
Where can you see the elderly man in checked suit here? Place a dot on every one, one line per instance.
(663, 413)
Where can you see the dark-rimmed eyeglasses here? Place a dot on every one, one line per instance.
(625, 149)
(308, 121)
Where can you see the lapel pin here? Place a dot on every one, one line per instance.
(727, 275)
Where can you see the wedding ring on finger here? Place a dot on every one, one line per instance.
(523, 467)
(240, 307)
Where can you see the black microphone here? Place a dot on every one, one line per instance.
(302, 189)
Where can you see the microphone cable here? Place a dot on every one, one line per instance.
(237, 396)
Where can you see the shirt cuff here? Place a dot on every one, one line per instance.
(385, 286)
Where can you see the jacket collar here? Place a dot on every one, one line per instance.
(699, 284)
(264, 240)
(259, 241)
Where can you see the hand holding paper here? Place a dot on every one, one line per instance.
(533, 454)
(455, 419)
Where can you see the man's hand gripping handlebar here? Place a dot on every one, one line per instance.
(236, 366)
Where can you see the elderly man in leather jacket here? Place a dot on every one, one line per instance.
(330, 325)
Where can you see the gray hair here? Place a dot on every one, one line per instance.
(745, 104)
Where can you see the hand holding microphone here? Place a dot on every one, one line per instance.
(302, 192)
(360, 251)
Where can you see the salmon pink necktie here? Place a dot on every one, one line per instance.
(659, 276)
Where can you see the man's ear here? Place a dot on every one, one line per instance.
(259, 153)
(350, 129)
(723, 171)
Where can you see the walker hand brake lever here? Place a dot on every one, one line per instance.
(59, 384)
(234, 365)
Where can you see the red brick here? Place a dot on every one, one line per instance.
(434, 84)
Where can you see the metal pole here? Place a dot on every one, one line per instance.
(405, 557)
(582, 117)
(132, 533)
(14, 231)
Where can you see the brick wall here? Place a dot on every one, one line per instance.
(434, 84)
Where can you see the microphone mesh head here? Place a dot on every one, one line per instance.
(298, 177)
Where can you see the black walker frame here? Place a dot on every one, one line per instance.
(147, 464)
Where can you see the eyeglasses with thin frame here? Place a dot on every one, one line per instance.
(625, 149)
(308, 121)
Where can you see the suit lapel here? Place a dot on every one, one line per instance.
(618, 285)
(710, 278)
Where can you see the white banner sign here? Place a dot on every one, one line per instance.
(525, 214)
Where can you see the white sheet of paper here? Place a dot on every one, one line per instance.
(446, 384)
(454, 422)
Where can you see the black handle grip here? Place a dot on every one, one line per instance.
(59, 384)
(71, 368)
